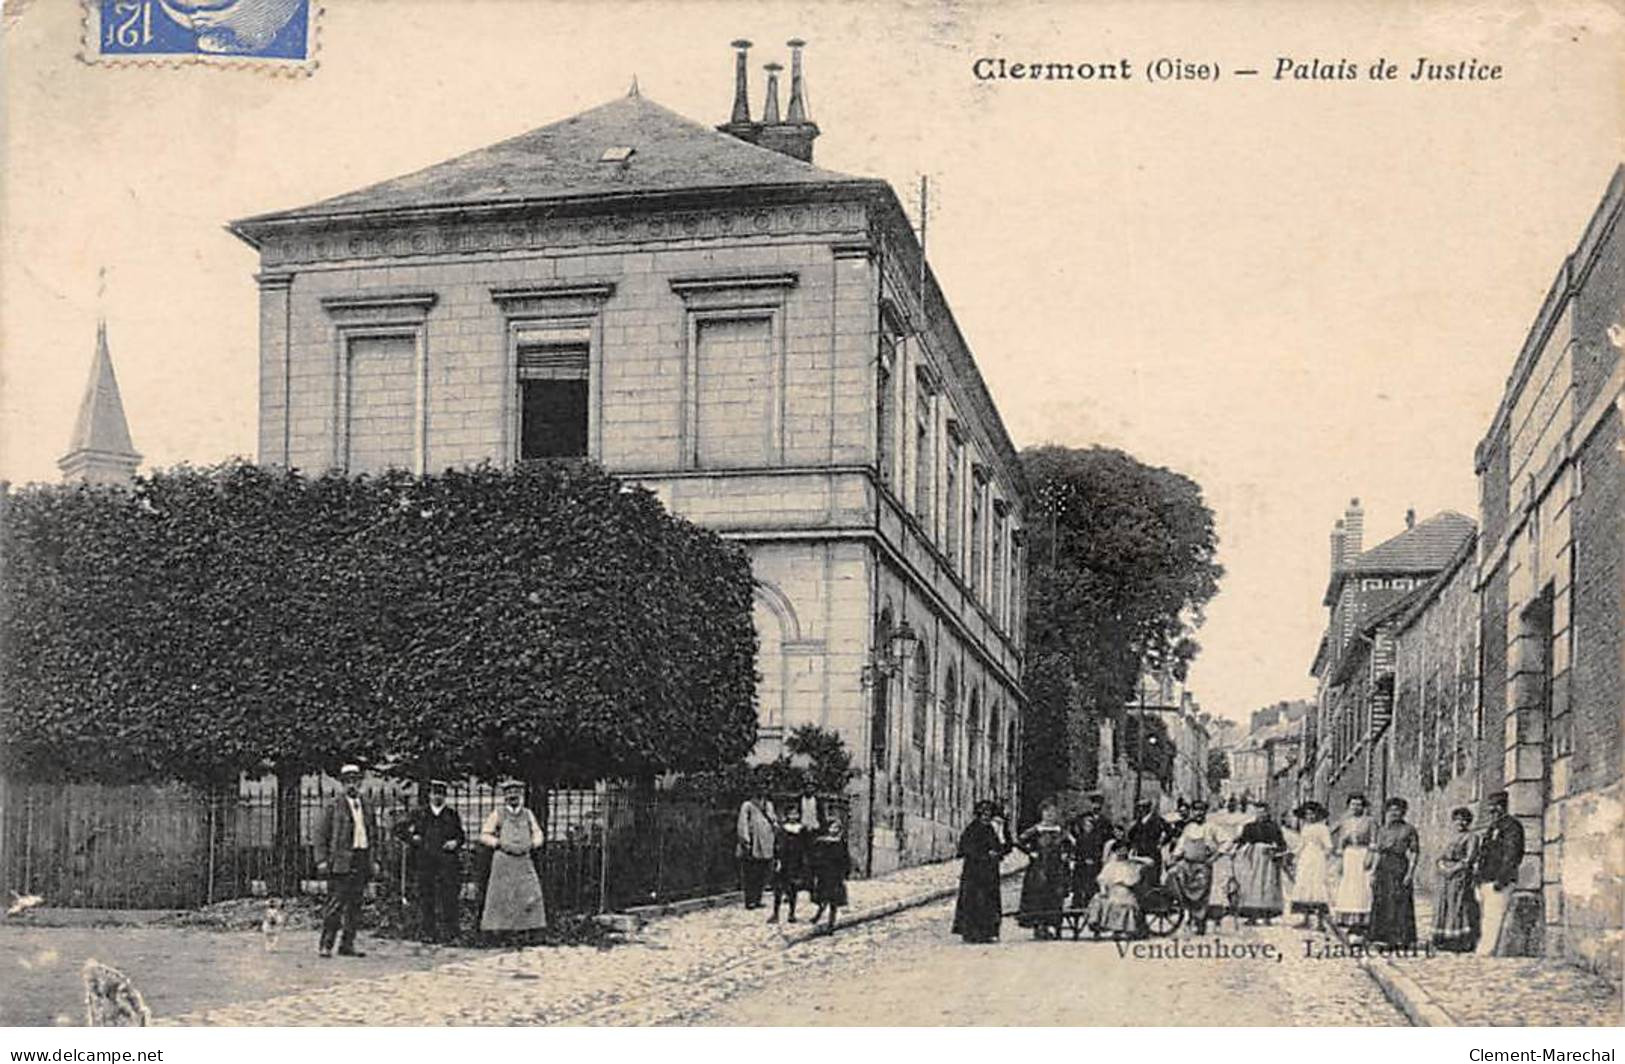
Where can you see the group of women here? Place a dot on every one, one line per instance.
(1359, 873)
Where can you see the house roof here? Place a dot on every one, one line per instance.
(577, 158)
(1422, 549)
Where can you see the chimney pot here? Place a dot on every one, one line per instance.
(1410, 518)
(741, 111)
(770, 109)
(798, 91)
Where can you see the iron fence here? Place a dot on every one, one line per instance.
(606, 848)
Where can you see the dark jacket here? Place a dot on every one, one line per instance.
(335, 834)
(1146, 837)
(1501, 853)
(427, 833)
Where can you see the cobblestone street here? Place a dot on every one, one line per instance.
(727, 966)
(910, 970)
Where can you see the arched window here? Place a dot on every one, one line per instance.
(921, 681)
(950, 727)
(880, 716)
(995, 751)
(769, 666)
(973, 744)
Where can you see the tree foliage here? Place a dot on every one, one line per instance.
(546, 621)
(1122, 560)
(1218, 770)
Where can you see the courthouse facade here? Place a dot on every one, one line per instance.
(755, 339)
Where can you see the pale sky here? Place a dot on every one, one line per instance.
(1292, 292)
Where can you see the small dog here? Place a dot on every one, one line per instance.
(21, 903)
(272, 923)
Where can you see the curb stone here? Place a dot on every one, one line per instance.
(1400, 989)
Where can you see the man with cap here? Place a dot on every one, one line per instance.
(347, 845)
(435, 834)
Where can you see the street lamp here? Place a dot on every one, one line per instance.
(889, 658)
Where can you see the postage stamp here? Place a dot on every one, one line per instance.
(275, 35)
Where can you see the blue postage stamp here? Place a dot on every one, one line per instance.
(263, 33)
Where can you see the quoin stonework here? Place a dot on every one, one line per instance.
(706, 312)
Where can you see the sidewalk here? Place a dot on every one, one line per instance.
(547, 985)
(1465, 990)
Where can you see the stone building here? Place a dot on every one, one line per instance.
(1550, 572)
(1345, 749)
(755, 339)
(1439, 738)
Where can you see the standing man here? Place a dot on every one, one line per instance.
(435, 834)
(1498, 859)
(1145, 839)
(345, 855)
(755, 846)
(1092, 831)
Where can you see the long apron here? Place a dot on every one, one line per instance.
(513, 896)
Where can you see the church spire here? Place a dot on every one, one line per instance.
(100, 451)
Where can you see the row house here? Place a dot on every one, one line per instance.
(755, 339)
(1345, 745)
(1505, 668)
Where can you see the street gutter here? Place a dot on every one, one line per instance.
(1400, 989)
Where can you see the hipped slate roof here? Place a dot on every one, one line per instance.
(565, 161)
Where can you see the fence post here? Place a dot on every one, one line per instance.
(603, 855)
(209, 892)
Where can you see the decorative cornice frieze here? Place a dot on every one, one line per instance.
(548, 229)
(380, 308)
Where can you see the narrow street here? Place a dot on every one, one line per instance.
(910, 970)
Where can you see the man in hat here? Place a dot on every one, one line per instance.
(1500, 853)
(434, 831)
(347, 845)
(755, 845)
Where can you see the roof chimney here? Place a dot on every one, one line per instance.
(741, 115)
(794, 136)
(1410, 518)
(1354, 530)
(798, 90)
(770, 109)
(1338, 538)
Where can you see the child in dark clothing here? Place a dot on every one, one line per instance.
(831, 864)
(790, 874)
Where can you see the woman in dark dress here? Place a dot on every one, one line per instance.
(1044, 885)
(1393, 906)
(977, 912)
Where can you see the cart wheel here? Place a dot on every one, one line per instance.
(1164, 922)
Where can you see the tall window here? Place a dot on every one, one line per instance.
(885, 429)
(950, 725)
(978, 536)
(925, 455)
(973, 744)
(734, 391)
(880, 720)
(553, 401)
(995, 749)
(381, 400)
(950, 497)
(922, 702)
(998, 561)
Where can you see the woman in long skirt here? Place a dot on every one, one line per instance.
(1393, 903)
(1311, 896)
(1259, 851)
(1351, 842)
(1455, 918)
(1114, 910)
(977, 910)
(1044, 884)
(513, 894)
